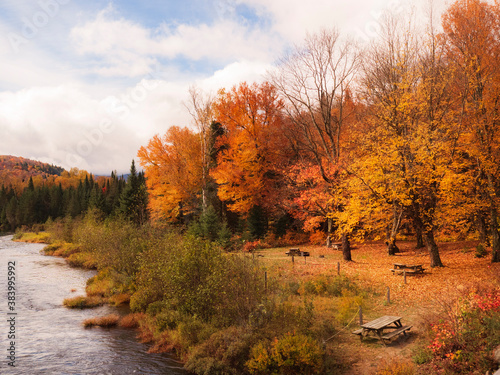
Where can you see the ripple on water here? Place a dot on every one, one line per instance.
(50, 339)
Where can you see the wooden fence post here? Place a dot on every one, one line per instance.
(338, 268)
(360, 315)
(388, 295)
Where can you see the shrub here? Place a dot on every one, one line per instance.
(99, 285)
(291, 354)
(82, 260)
(225, 352)
(480, 251)
(131, 320)
(331, 286)
(192, 331)
(349, 304)
(463, 343)
(119, 299)
(53, 247)
(168, 319)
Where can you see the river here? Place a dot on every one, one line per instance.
(49, 338)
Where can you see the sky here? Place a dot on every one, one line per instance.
(85, 84)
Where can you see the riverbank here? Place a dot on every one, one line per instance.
(307, 300)
(50, 339)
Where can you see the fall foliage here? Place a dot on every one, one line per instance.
(357, 145)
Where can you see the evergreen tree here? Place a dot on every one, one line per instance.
(134, 198)
(12, 213)
(257, 222)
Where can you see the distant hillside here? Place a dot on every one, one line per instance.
(15, 168)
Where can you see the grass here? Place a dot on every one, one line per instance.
(82, 302)
(82, 260)
(73, 254)
(418, 301)
(107, 321)
(32, 237)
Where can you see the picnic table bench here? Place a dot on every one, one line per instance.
(410, 269)
(297, 252)
(336, 245)
(377, 327)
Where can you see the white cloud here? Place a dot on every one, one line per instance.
(89, 95)
(357, 18)
(235, 73)
(120, 47)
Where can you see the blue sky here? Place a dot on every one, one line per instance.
(86, 83)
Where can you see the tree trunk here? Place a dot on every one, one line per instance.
(391, 246)
(433, 249)
(329, 236)
(346, 247)
(483, 229)
(420, 238)
(397, 215)
(495, 237)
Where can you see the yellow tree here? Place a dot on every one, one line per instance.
(471, 29)
(174, 173)
(411, 142)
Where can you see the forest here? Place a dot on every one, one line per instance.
(338, 143)
(33, 193)
(351, 143)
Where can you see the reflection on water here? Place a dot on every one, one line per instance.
(50, 338)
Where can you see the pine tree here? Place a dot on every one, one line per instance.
(134, 199)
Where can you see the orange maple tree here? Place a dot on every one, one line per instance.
(174, 173)
(248, 167)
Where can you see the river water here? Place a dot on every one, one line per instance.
(49, 338)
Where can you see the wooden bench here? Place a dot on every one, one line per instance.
(390, 335)
(336, 245)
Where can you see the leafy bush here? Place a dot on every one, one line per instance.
(225, 352)
(131, 320)
(464, 342)
(480, 251)
(291, 354)
(195, 278)
(62, 229)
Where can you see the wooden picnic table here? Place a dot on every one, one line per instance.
(297, 252)
(377, 327)
(410, 269)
